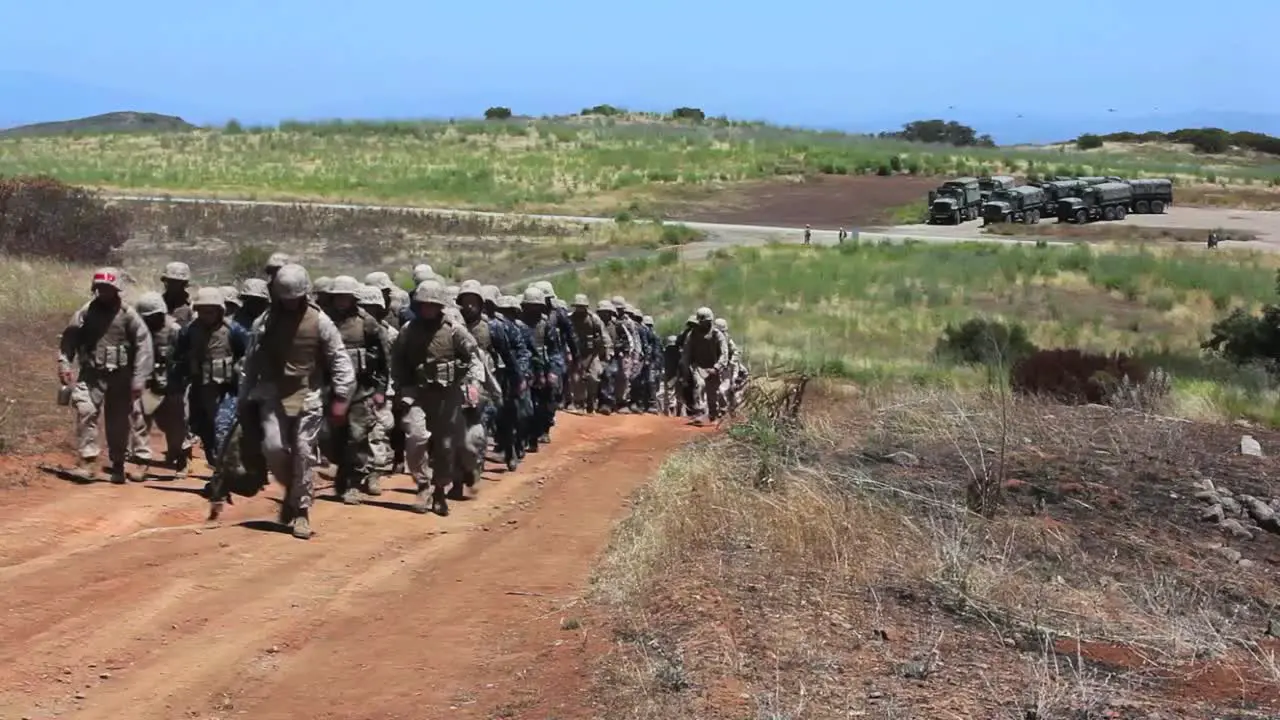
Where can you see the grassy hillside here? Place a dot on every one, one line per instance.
(873, 313)
(115, 122)
(589, 164)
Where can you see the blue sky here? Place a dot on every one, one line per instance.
(823, 63)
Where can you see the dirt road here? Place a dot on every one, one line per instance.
(120, 602)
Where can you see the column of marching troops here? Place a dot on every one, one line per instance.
(280, 374)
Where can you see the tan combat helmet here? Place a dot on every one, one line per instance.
(277, 261)
(548, 290)
(107, 277)
(344, 285)
(722, 324)
(231, 296)
(490, 293)
(254, 288)
(693, 320)
(580, 301)
(292, 282)
(370, 295)
(704, 314)
(425, 288)
(508, 302)
(322, 285)
(605, 306)
(619, 301)
(421, 273)
(379, 279)
(647, 320)
(210, 297)
(429, 293)
(151, 303)
(470, 287)
(176, 272)
(534, 295)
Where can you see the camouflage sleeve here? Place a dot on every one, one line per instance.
(722, 343)
(503, 345)
(606, 342)
(144, 362)
(342, 375)
(249, 364)
(568, 338)
(467, 351)
(686, 353)
(178, 359)
(69, 342)
(382, 343)
(399, 366)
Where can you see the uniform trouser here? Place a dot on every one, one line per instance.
(706, 391)
(355, 453)
(475, 441)
(513, 419)
(670, 394)
(288, 443)
(544, 411)
(226, 419)
(616, 388)
(205, 403)
(560, 370)
(380, 437)
(433, 434)
(108, 395)
(584, 382)
(169, 417)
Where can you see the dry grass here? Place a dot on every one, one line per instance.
(37, 288)
(1117, 233)
(835, 571)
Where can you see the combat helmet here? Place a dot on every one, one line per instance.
(254, 288)
(370, 295)
(150, 303)
(292, 282)
(107, 277)
(533, 295)
(490, 293)
(422, 272)
(605, 306)
(704, 314)
(580, 301)
(176, 271)
(431, 293)
(345, 285)
(378, 279)
(470, 287)
(548, 290)
(323, 285)
(230, 295)
(277, 261)
(209, 297)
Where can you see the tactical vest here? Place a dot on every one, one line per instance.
(162, 342)
(540, 357)
(587, 332)
(430, 353)
(105, 338)
(706, 348)
(212, 358)
(291, 346)
(358, 331)
(182, 314)
(481, 331)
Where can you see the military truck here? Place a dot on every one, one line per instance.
(1056, 190)
(988, 185)
(1023, 204)
(1151, 195)
(1105, 201)
(1099, 179)
(955, 201)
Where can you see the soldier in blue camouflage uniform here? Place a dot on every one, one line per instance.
(558, 316)
(517, 408)
(547, 345)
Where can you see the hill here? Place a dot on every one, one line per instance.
(112, 122)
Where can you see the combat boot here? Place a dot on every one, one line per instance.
(179, 465)
(118, 476)
(422, 503)
(301, 526)
(457, 491)
(438, 502)
(373, 485)
(351, 496)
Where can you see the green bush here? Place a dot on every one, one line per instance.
(982, 341)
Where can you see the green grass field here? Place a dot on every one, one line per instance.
(873, 312)
(577, 164)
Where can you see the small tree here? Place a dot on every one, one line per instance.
(497, 112)
(689, 113)
(233, 127)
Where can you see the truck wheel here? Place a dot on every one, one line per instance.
(1157, 206)
(1108, 213)
(1141, 207)
(1121, 212)
(1082, 217)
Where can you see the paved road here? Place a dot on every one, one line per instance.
(1265, 224)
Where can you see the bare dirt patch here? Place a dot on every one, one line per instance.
(826, 202)
(29, 415)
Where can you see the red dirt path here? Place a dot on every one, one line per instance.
(120, 602)
(825, 201)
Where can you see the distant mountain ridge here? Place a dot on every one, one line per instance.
(112, 122)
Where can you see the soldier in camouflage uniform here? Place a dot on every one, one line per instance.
(684, 384)
(395, 298)
(489, 340)
(558, 315)
(372, 302)
(517, 409)
(672, 403)
(629, 365)
(112, 345)
(294, 347)
(255, 297)
(320, 292)
(274, 263)
(643, 393)
(619, 345)
(432, 364)
(206, 366)
(231, 296)
(158, 407)
(653, 365)
(589, 356)
(706, 355)
(176, 278)
(547, 345)
(736, 380)
(369, 349)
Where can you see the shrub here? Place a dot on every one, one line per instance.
(42, 217)
(679, 234)
(497, 113)
(689, 113)
(981, 341)
(1089, 141)
(1076, 377)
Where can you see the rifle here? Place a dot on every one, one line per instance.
(216, 483)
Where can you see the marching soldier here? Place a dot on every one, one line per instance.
(158, 406)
